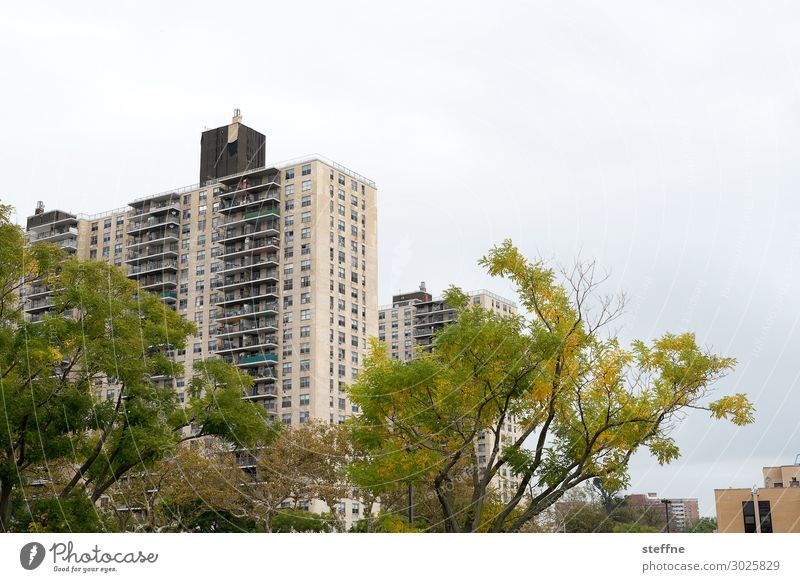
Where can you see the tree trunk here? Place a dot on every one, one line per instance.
(6, 485)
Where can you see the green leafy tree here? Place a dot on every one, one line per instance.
(582, 404)
(704, 525)
(100, 326)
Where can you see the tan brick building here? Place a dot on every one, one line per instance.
(773, 508)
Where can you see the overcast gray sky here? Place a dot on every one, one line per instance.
(658, 138)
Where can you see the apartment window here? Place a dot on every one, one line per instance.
(286, 418)
(305, 217)
(306, 170)
(341, 179)
(287, 284)
(288, 252)
(305, 416)
(199, 285)
(305, 281)
(354, 185)
(289, 220)
(305, 233)
(201, 255)
(289, 174)
(286, 384)
(305, 348)
(305, 201)
(200, 270)
(202, 210)
(289, 190)
(289, 205)
(287, 368)
(305, 186)
(305, 365)
(305, 249)
(288, 269)
(287, 301)
(286, 402)
(187, 199)
(305, 298)
(198, 301)
(288, 236)
(305, 331)
(305, 399)
(305, 314)
(201, 240)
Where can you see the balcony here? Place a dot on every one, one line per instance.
(140, 269)
(254, 232)
(255, 392)
(150, 283)
(231, 251)
(157, 208)
(168, 234)
(228, 205)
(247, 310)
(248, 343)
(248, 297)
(257, 359)
(260, 325)
(249, 185)
(40, 305)
(155, 251)
(153, 222)
(230, 282)
(56, 234)
(230, 267)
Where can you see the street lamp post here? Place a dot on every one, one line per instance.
(666, 503)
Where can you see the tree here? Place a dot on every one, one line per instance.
(100, 326)
(704, 525)
(301, 463)
(581, 402)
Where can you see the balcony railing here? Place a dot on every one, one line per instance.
(152, 222)
(247, 200)
(268, 242)
(250, 230)
(158, 207)
(257, 359)
(247, 309)
(68, 231)
(159, 250)
(156, 266)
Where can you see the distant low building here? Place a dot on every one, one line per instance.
(774, 508)
(680, 513)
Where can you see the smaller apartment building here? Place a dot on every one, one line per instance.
(773, 508)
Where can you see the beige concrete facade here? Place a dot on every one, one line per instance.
(277, 266)
(774, 508)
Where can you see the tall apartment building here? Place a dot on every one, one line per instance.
(773, 508)
(276, 264)
(409, 324)
(413, 318)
